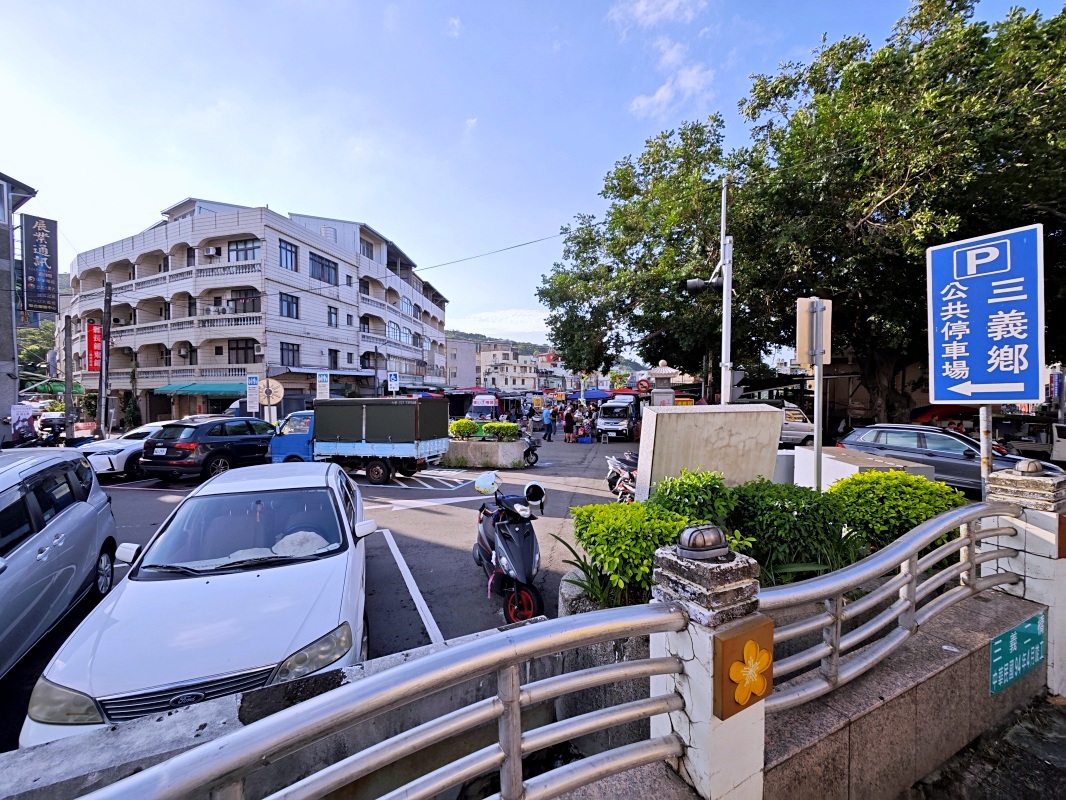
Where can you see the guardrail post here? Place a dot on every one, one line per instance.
(831, 636)
(1041, 559)
(510, 729)
(909, 592)
(723, 758)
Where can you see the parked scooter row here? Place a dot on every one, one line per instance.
(622, 476)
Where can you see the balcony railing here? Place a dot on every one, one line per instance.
(230, 320)
(370, 301)
(229, 269)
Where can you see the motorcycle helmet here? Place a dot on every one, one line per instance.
(487, 483)
(535, 493)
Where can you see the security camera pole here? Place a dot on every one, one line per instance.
(722, 278)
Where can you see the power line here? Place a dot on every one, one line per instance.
(491, 252)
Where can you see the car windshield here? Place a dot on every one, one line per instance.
(246, 531)
(139, 433)
(175, 432)
(614, 412)
(301, 424)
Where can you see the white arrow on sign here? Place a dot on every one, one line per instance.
(969, 388)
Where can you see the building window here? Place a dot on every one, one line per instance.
(322, 269)
(350, 320)
(329, 232)
(194, 357)
(351, 358)
(405, 306)
(190, 256)
(334, 359)
(166, 310)
(331, 316)
(165, 267)
(364, 324)
(244, 250)
(218, 350)
(364, 287)
(348, 279)
(217, 301)
(192, 307)
(290, 355)
(288, 305)
(392, 331)
(366, 248)
(405, 336)
(242, 351)
(245, 301)
(366, 361)
(167, 357)
(287, 255)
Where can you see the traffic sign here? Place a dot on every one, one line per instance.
(643, 385)
(252, 394)
(986, 318)
(322, 386)
(394, 381)
(1017, 652)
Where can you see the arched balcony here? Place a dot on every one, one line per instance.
(151, 263)
(119, 271)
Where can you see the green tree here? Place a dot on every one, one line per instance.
(864, 158)
(34, 344)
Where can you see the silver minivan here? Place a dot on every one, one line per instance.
(57, 543)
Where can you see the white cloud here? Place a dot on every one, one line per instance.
(522, 324)
(453, 27)
(647, 13)
(692, 83)
(471, 124)
(671, 53)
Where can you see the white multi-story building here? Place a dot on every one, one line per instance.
(216, 292)
(462, 362)
(500, 367)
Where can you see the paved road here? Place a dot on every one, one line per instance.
(422, 584)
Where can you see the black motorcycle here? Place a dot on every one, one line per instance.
(532, 443)
(506, 547)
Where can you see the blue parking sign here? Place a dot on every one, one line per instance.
(986, 318)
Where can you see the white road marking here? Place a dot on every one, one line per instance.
(422, 482)
(435, 636)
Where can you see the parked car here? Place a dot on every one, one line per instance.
(121, 455)
(256, 578)
(51, 422)
(796, 429)
(956, 458)
(617, 418)
(206, 448)
(57, 543)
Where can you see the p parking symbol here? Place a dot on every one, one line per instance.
(983, 259)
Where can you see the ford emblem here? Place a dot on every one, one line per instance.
(187, 699)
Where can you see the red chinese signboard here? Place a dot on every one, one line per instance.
(96, 336)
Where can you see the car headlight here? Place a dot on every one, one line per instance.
(106, 453)
(52, 704)
(320, 653)
(523, 511)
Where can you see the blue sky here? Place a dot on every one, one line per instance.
(453, 128)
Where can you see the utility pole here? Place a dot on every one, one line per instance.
(727, 303)
(105, 353)
(68, 377)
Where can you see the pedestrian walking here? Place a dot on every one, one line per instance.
(549, 423)
(568, 425)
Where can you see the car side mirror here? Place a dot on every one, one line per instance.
(127, 552)
(365, 528)
(969, 454)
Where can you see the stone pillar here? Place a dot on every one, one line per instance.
(1041, 559)
(723, 758)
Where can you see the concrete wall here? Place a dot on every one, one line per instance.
(738, 441)
(71, 767)
(487, 455)
(838, 463)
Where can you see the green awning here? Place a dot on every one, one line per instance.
(205, 389)
(53, 387)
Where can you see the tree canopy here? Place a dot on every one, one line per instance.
(859, 161)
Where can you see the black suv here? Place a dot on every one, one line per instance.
(955, 458)
(206, 448)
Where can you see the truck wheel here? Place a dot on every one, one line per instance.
(292, 459)
(377, 472)
(407, 472)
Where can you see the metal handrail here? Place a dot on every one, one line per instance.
(843, 656)
(219, 767)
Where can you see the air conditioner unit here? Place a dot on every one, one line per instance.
(259, 349)
(212, 251)
(183, 352)
(127, 351)
(116, 321)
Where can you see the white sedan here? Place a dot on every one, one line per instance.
(257, 577)
(121, 455)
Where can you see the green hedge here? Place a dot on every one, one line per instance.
(882, 506)
(700, 496)
(463, 428)
(504, 431)
(621, 540)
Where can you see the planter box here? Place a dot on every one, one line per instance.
(484, 454)
(573, 601)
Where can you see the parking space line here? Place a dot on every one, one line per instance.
(422, 482)
(435, 636)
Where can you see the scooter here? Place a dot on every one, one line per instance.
(621, 468)
(532, 444)
(506, 547)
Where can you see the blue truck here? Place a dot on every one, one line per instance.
(380, 436)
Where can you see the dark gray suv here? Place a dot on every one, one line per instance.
(955, 458)
(206, 448)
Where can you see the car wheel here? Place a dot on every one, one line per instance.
(134, 470)
(293, 459)
(216, 466)
(104, 578)
(807, 441)
(377, 472)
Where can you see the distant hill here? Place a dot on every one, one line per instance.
(529, 348)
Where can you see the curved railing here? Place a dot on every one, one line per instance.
(219, 767)
(843, 655)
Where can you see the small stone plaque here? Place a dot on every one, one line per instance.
(743, 665)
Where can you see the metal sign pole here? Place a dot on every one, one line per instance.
(816, 353)
(986, 448)
(727, 304)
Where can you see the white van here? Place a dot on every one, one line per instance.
(617, 417)
(485, 406)
(796, 429)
